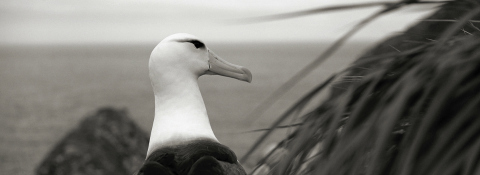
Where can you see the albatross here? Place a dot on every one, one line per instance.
(182, 141)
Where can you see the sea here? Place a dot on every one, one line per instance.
(45, 90)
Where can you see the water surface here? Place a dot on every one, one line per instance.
(46, 90)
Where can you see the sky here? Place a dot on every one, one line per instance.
(137, 21)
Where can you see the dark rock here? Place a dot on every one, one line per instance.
(106, 142)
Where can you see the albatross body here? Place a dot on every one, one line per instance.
(182, 140)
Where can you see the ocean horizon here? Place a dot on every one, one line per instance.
(47, 89)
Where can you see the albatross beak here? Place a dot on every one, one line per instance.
(218, 66)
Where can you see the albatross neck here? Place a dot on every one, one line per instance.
(180, 113)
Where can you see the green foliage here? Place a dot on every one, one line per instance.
(413, 112)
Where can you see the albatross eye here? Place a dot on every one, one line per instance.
(197, 44)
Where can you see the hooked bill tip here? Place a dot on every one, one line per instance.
(248, 74)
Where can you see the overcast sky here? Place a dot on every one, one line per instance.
(128, 21)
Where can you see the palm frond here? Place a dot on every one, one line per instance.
(290, 83)
(411, 112)
(320, 10)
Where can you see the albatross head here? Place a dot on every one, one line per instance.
(184, 55)
(175, 65)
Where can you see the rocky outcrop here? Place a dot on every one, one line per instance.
(105, 142)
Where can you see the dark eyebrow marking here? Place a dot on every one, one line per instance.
(197, 43)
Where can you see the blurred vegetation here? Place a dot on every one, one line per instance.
(408, 106)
